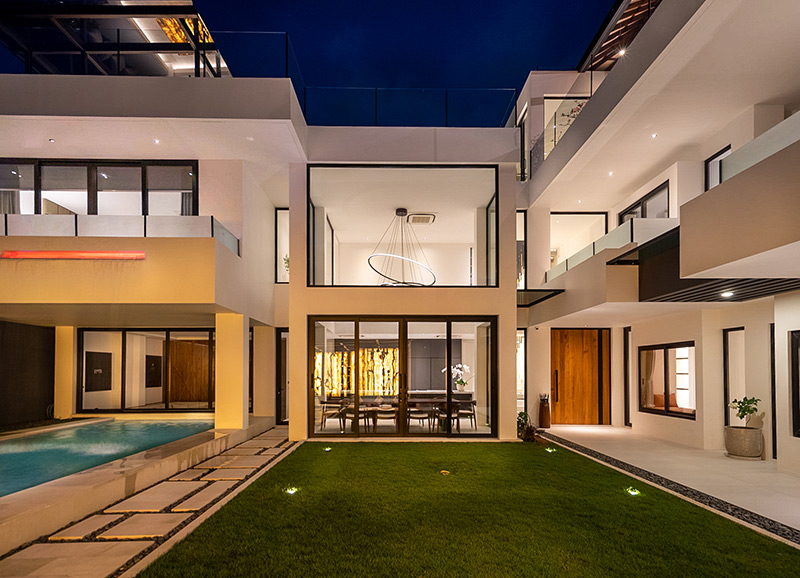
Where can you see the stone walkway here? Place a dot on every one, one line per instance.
(113, 540)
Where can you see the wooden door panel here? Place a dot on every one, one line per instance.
(188, 362)
(575, 376)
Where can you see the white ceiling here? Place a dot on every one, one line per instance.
(361, 201)
(266, 146)
(732, 55)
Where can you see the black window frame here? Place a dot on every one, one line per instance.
(91, 177)
(525, 247)
(79, 382)
(714, 158)
(794, 340)
(524, 156)
(494, 275)
(666, 411)
(641, 203)
(278, 258)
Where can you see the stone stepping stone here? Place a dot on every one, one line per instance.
(141, 526)
(156, 498)
(187, 475)
(241, 452)
(271, 436)
(71, 559)
(228, 474)
(272, 452)
(205, 496)
(85, 527)
(256, 443)
(271, 443)
(215, 462)
(248, 461)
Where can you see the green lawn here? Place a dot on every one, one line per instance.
(506, 509)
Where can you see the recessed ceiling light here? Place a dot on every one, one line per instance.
(654, 135)
(156, 141)
(610, 173)
(579, 201)
(251, 139)
(726, 294)
(52, 140)
(621, 52)
(557, 221)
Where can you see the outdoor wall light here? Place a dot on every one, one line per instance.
(291, 491)
(51, 140)
(632, 491)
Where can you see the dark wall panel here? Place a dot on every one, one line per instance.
(27, 372)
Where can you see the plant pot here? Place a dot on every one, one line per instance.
(743, 442)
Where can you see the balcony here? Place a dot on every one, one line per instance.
(633, 231)
(118, 226)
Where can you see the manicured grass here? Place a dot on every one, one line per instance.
(384, 509)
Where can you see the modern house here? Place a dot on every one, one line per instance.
(179, 239)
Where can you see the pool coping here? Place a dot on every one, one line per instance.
(54, 427)
(29, 514)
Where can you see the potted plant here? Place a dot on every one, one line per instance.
(525, 429)
(744, 441)
(458, 371)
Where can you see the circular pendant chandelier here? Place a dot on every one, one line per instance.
(398, 257)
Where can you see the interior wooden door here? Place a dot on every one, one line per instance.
(579, 372)
(188, 362)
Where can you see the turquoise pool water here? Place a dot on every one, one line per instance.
(37, 458)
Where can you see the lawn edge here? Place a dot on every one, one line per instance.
(552, 438)
(192, 526)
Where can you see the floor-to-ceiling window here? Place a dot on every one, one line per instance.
(146, 369)
(402, 376)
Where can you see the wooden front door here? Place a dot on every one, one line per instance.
(579, 376)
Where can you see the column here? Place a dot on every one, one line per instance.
(232, 344)
(65, 372)
(264, 349)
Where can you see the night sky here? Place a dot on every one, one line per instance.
(415, 43)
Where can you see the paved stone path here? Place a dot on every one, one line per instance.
(109, 542)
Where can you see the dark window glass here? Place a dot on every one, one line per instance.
(170, 190)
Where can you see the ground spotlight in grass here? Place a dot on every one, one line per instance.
(291, 491)
(327, 449)
(632, 491)
(550, 450)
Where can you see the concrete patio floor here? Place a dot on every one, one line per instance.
(756, 486)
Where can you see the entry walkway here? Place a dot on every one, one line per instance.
(128, 535)
(752, 491)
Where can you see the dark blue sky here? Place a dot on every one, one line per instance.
(416, 43)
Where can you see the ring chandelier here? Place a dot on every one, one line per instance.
(398, 257)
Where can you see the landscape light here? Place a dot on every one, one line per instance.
(327, 449)
(632, 491)
(291, 491)
(550, 450)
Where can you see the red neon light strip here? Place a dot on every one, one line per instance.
(75, 255)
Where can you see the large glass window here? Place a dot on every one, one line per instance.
(160, 370)
(733, 354)
(667, 379)
(402, 226)
(571, 232)
(281, 245)
(795, 359)
(522, 395)
(16, 189)
(119, 190)
(654, 205)
(522, 248)
(171, 190)
(65, 190)
(76, 187)
(713, 167)
(402, 377)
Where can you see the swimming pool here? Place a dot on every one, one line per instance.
(38, 458)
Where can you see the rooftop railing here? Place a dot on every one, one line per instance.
(118, 226)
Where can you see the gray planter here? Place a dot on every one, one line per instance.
(743, 442)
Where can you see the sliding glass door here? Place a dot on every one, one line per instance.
(402, 376)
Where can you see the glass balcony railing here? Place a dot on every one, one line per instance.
(633, 231)
(767, 144)
(117, 226)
